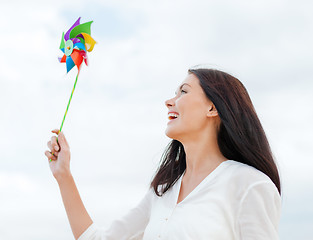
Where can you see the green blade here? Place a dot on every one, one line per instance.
(81, 40)
(82, 28)
(62, 44)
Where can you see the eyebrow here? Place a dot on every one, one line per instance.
(182, 86)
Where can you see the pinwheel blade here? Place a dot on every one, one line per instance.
(62, 59)
(76, 40)
(62, 44)
(67, 34)
(84, 55)
(82, 28)
(77, 58)
(69, 63)
(80, 46)
(81, 39)
(89, 42)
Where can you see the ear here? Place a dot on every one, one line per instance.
(212, 112)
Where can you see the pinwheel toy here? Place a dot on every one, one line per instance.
(75, 44)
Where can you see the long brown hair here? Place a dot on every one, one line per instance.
(240, 135)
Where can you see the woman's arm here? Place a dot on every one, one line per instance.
(60, 167)
(129, 226)
(76, 212)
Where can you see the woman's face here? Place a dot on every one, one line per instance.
(188, 110)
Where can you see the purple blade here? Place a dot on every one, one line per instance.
(67, 34)
(80, 35)
(75, 40)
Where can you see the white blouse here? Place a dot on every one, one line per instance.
(235, 201)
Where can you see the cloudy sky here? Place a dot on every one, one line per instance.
(116, 121)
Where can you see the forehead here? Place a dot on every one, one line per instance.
(194, 85)
(191, 80)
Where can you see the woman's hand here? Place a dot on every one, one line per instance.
(60, 156)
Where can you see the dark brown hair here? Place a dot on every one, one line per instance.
(240, 134)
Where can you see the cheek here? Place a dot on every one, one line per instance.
(191, 111)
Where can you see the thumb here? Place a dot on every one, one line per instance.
(62, 140)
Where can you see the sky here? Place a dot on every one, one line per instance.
(117, 118)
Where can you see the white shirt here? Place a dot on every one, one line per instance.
(235, 201)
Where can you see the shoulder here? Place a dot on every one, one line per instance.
(241, 178)
(254, 195)
(244, 174)
(256, 199)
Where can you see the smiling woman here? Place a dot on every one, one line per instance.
(237, 131)
(217, 178)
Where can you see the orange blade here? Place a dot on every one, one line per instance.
(63, 59)
(77, 58)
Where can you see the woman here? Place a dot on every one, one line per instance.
(217, 178)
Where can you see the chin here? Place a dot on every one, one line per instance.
(172, 134)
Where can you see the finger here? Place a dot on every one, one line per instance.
(50, 156)
(52, 150)
(50, 146)
(62, 140)
(56, 131)
(55, 144)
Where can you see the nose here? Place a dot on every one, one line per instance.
(170, 102)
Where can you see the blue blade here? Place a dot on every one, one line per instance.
(69, 63)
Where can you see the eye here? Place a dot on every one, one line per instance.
(181, 92)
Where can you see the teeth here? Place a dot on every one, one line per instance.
(172, 115)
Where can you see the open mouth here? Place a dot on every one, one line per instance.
(172, 116)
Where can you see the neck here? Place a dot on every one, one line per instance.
(202, 154)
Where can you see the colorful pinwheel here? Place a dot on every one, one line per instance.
(75, 43)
